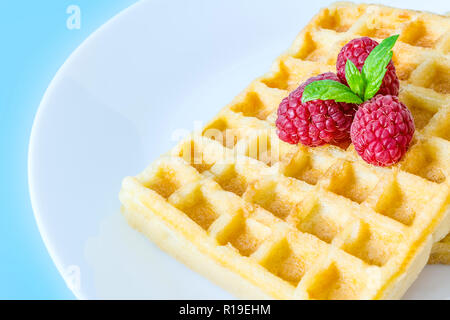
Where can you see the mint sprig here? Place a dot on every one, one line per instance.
(355, 79)
(329, 90)
(363, 85)
(375, 66)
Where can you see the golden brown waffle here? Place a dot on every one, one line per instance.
(441, 251)
(265, 219)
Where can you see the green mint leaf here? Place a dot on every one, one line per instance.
(354, 78)
(374, 67)
(329, 90)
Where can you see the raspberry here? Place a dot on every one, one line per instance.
(357, 51)
(382, 130)
(316, 122)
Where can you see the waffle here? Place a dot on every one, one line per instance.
(266, 219)
(441, 251)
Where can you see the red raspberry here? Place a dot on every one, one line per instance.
(316, 122)
(382, 130)
(357, 51)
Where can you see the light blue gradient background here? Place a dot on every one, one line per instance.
(34, 44)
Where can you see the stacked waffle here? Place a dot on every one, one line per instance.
(266, 219)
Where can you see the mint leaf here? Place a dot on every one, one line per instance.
(354, 78)
(374, 67)
(329, 90)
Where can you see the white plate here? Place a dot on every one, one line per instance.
(120, 101)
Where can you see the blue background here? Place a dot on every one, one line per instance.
(35, 42)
